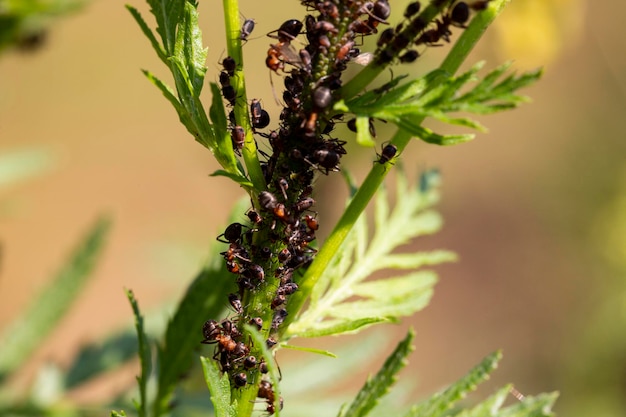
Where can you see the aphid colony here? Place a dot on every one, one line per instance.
(268, 255)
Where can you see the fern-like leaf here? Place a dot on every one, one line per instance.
(439, 404)
(429, 96)
(376, 387)
(145, 357)
(219, 387)
(333, 309)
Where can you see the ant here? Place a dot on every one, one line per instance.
(388, 152)
(260, 117)
(238, 138)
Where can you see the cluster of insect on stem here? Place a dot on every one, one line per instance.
(268, 254)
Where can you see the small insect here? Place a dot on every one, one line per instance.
(409, 56)
(232, 234)
(412, 9)
(246, 29)
(260, 117)
(322, 97)
(254, 216)
(240, 379)
(229, 65)
(238, 137)
(288, 31)
(267, 200)
(235, 302)
(387, 154)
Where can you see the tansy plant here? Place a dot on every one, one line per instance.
(279, 282)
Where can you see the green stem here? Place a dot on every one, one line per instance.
(457, 55)
(242, 116)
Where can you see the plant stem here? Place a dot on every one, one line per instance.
(242, 116)
(457, 55)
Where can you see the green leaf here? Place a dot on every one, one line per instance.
(148, 32)
(28, 331)
(489, 407)
(347, 326)
(376, 387)
(439, 404)
(97, 358)
(192, 51)
(219, 387)
(539, 406)
(118, 413)
(344, 301)
(168, 14)
(436, 95)
(363, 136)
(309, 349)
(243, 181)
(203, 300)
(145, 357)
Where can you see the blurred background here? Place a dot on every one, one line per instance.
(536, 208)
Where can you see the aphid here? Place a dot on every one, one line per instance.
(412, 9)
(385, 37)
(250, 362)
(283, 185)
(270, 342)
(255, 272)
(238, 137)
(257, 322)
(235, 302)
(260, 118)
(267, 200)
(254, 216)
(279, 318)
(263, 367)
(459, 14)
(232, 234)
(240, 379)
(387, 154)
(303, 204)
(327, 159)
(409, 56)
(246, 29)
(322, 97)
(284, 256)
(229, 65)
(289, 288)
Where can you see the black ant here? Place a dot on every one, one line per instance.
(229, 65)
(232, 234)
(388, 152)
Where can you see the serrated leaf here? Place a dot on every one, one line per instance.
(27, 332)
(489, 407)
(309, 349)
(243, 181)
(189, 51)
(351, 325)
(439, 404)
(202, 301)
(148, 32)
(219, 387)
(343, 301)
(407, 104)
(377, 386)
(417, 260)
(121, 413)
(145, 357)
(167, 13)
(538, 406)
